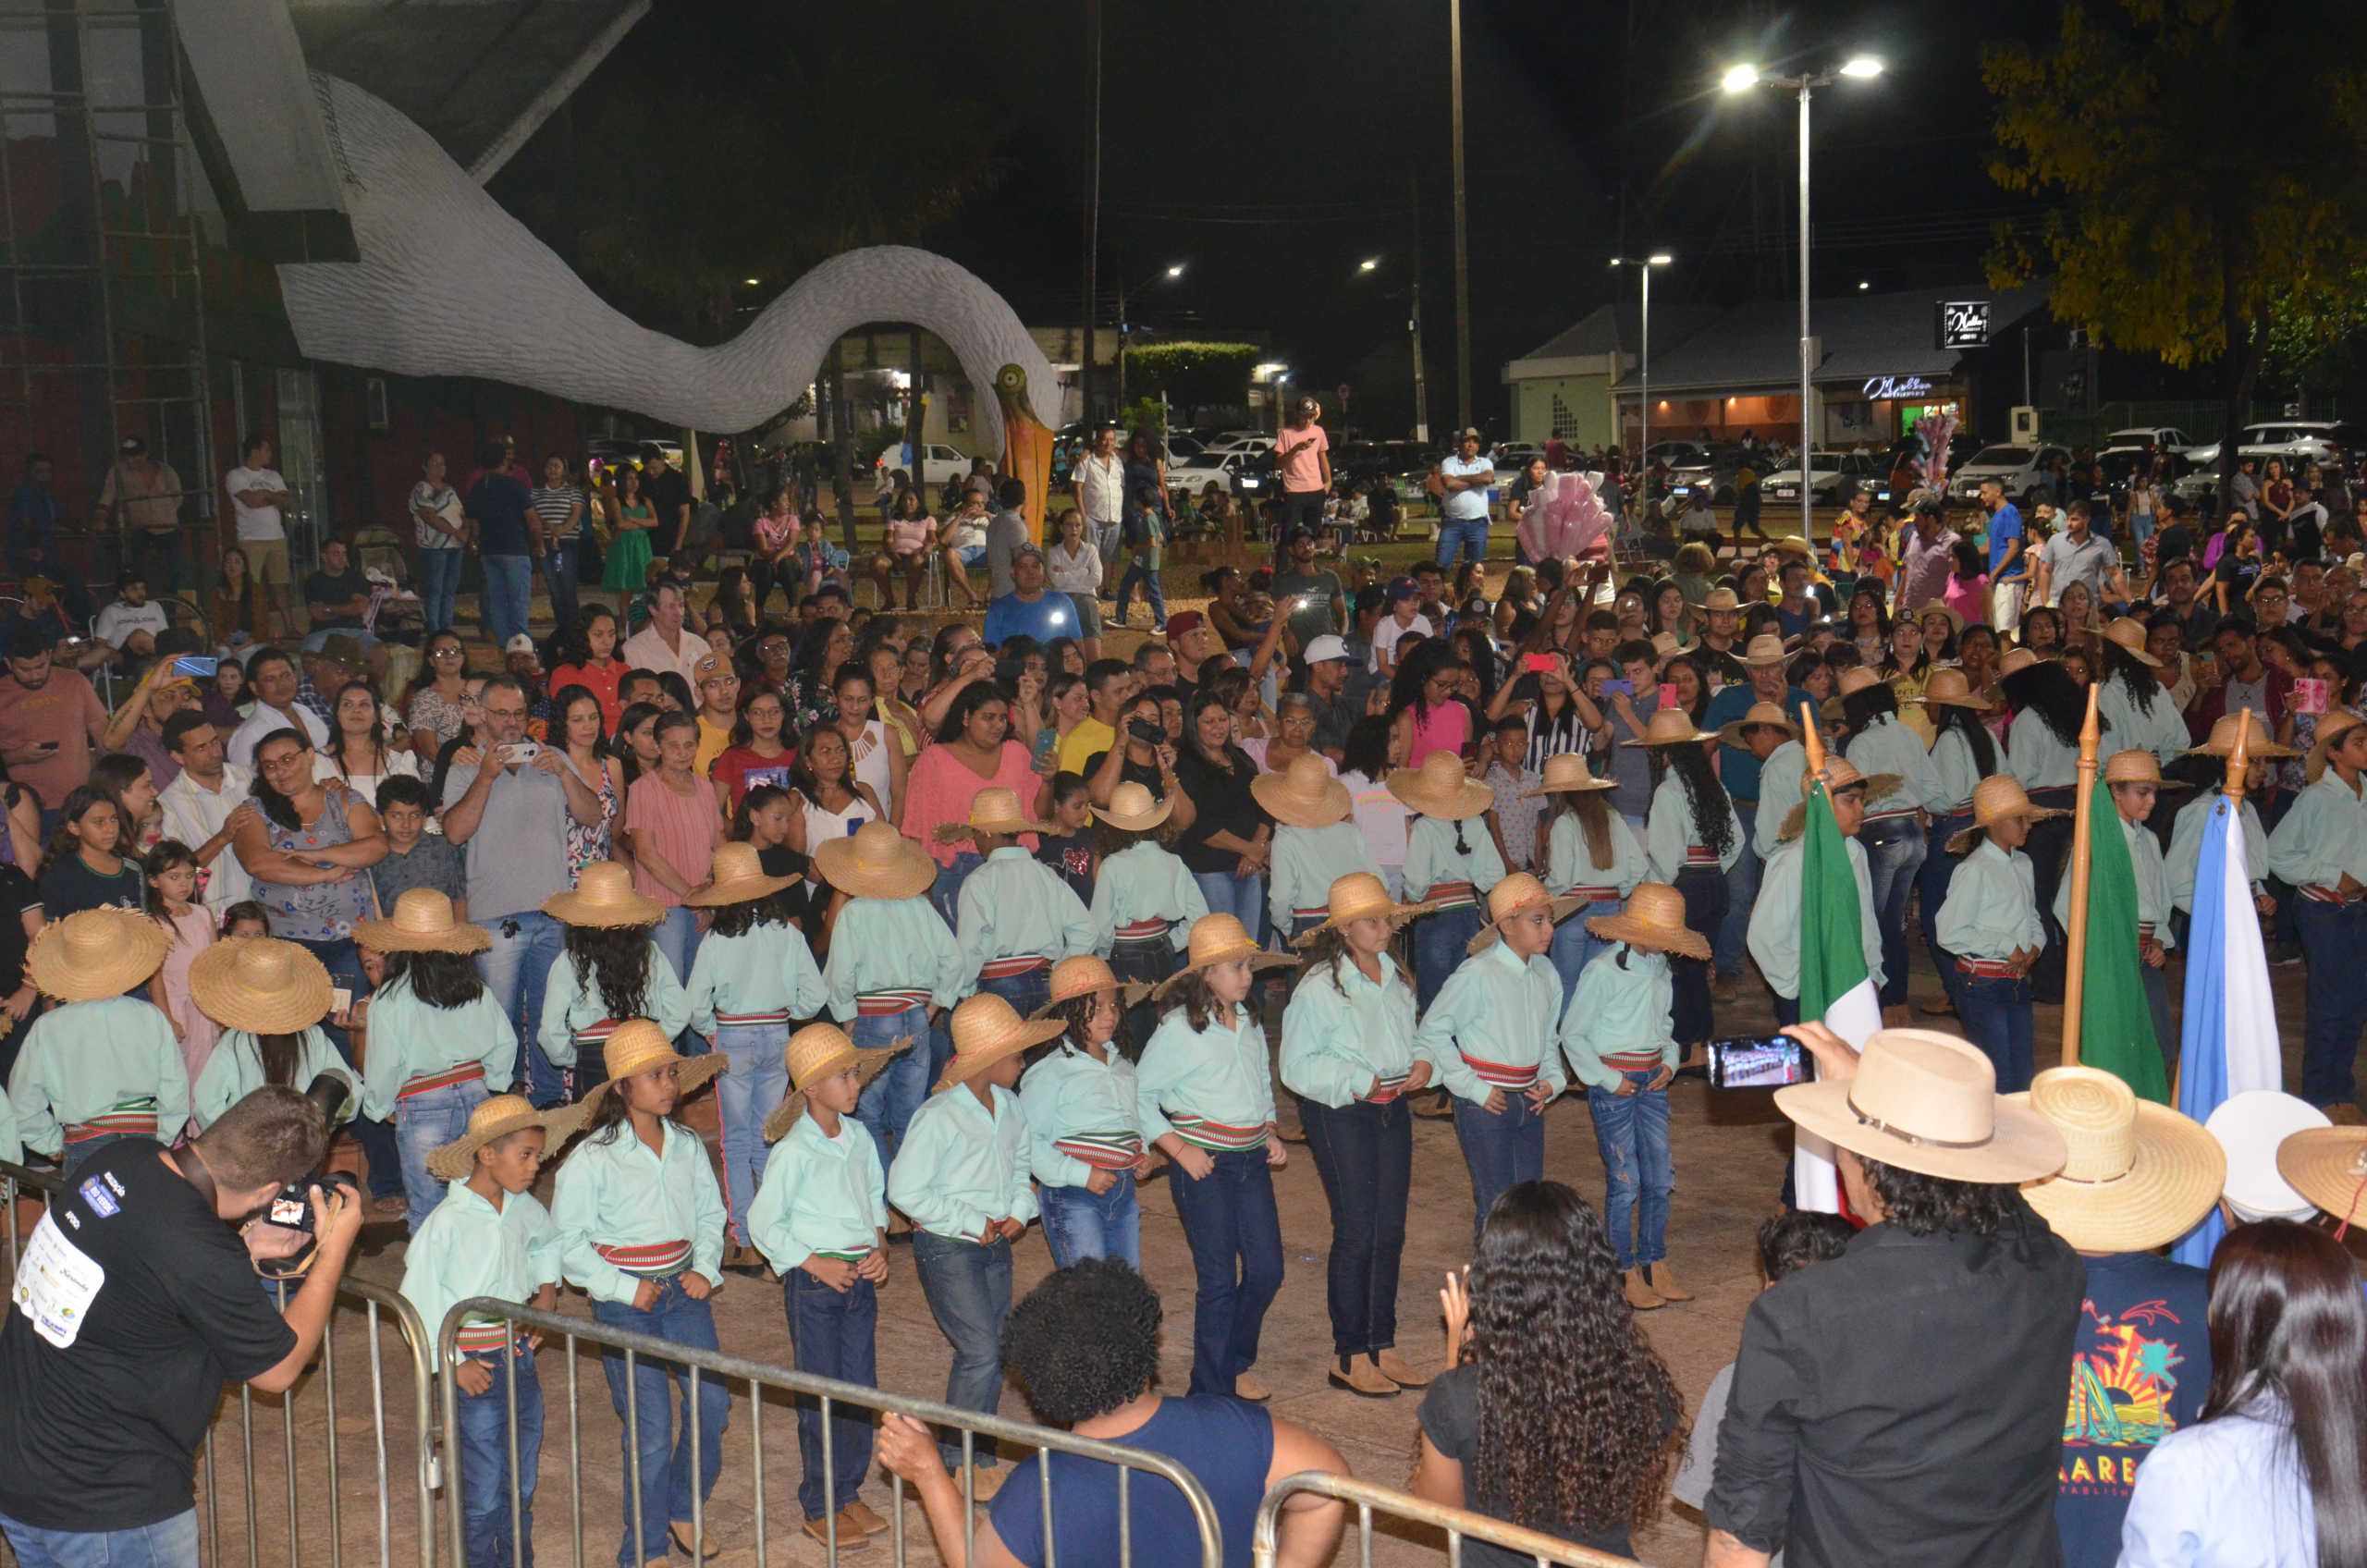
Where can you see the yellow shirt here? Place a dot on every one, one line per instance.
(711, 744)
(1089, 736)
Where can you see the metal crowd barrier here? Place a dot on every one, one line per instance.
(1460, 1524)
(757, 1377)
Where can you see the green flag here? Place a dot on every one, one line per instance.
(2116, 1022)
(1834, 986)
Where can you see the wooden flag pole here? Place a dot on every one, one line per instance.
(2240, 761)
(1813, 744)
(2075, 954)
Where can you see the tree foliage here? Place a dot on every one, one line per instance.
(1192, 374)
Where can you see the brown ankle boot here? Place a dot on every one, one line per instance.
(1640, 1295)
(1393, 1367)
(1359, 1375)
(1656, 1277)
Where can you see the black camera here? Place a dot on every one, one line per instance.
(1149, 734)
(292, 1206)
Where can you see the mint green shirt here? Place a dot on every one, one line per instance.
(1068, 1095)
(1668, 831)
(892, 945)
(407, 1039)
(2323, 835)
(235, 1071)
(2129, 727)
(961, 1166)
(767, 968)
(2152, 883)
(1014, 905)
(1779, 791)
(1569, 863)
(572, 1003)
(1308, 859)
(1432, 857)
(1957, 771)
(1992, 909)
(1887, 746)
(1618, 1012)
(1340, 1036)
(2186, 846)
(820, 1195)
(1502, 1009)
(2035, 756)
(1774, 934)
(468, 1249)
(86, 1058)
(617, 1193)
(12, 1148)
(1143, 882)
(1219, 1075)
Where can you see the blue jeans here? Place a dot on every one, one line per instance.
(517, 970)
(1365, 1154)
(1237, 1235)
(168, 1543)
(1080, 1223)
(663, 1454)
(425, 1122)
(2333, 942)
(1995, 1012)
(1931, 882)
(1575, 946)
(1894, 854)
(485, 1463)
(746, 1094)
(889, 1100)
(1244, 898)
(1742, 891)
(1152, 591)
(343, 960)
(947, 892)
(558, 576)
(1467, 537)
(677, 937)
(1438, 950)
(968, 1287)
(1632, 1132)
(1693, 1014)
(440, 585)
(509, 592)
(1025, 993)
(1502, 1148)
(831, 1334)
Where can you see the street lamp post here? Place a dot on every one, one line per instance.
(1644, 371)
(1126, 328)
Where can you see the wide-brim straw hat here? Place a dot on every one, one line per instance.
(876, 861)
(1793, 545)
(1134, 809)
(2251, 1129)
(496, 1119)
(264, 986)
(1767, 715)
(2139, 766)
(1508, 897)
(422, 922)
(97, 953)
(1084, 974)
(1669, 727)
(2328, 1166)
(992, 810)
(816, 1052)
(2221, 743)
(1936, 606)
(1927, 1102)
(1857, 678)
(1948, 688)
(986, 1029)
(739, 879)
(1665, 646)
(1361, 896)
(2332, 727)
(602, 899)
(2135, 1175)
(2128, 633)
(1441, 788)
(2015, 661)
(638, 1045)
(1304, 795)
(1722, 601)
(1838, 774)
(1220, 938)
(1567, 772)
(1997, 797)
(1765, 649)
(1654, 921)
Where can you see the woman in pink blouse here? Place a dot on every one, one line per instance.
(971, 755)
(773, 558)
(910, 534)
(674, 819)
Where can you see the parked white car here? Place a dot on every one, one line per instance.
(1833, 477)
(2151, 437)
(2297, 441)
(940, 465)
(2020, 470)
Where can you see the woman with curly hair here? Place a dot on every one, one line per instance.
(1555, 1413)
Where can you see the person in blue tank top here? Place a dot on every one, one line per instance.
(1085, 1345)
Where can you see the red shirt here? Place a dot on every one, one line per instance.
(740, 769)
(601, 683)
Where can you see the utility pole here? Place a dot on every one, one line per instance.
(1462, 249)
(1421, 387)
(1092, 217)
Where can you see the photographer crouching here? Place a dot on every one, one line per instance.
(136, 1303)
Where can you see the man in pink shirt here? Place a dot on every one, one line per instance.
(1303, 455)
(51, 721)
(1928, 552)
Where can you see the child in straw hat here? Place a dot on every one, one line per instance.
(1590, 853)
(960, 1175)
(753, 975)
(105, 1065)
(1146, 902)
(639, 1224)
(490, 1238)
(1016, 916)
(437, 1038)
(2320, 848)
(1317, 841)
(2135, 709)
(1084, 1141)
(1990, 926)
(1776, 915)
(1206, 1095)
(1348, 1055)
(1881, 744)
(893, 967)
(1488, 1037)
(2186, 833)
(2136, 783)
(1692, 839)
(821, 1220)
(609, 969)
(1451, 862)
(268, 997)
(1962, 754)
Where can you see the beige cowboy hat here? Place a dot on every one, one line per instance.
(1567, 772)
(992, 810)
(1304, 795)
(2139, 766)
(1722, 601)
(638, 1045)
(1928, 1103)
(1793, 545)
(1084, 974)
(986, 1029)
(1765, 649)
(2328, 1166)
(1936, 606)
(2222, 742)
(1441, 788)
(2252, 1129)
(496, 1119)
(1508, 897)
(603, 898)
(2332, 727)
(2136, 1175)
(1666, 647)
(1838, 774)
(1948, 688)
(2128, 633)
(1654, 921)
(264, 986)
(1851, 682)
(876, 861)
(1362, 896)
(1220, 938)
(1133, 809)
(2015, 661)
(1669, 727)
(422, 922)
(1768, 716)
(1997, 797)
(97, 953)
(739, 879)
(819, 1051)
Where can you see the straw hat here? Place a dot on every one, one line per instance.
(1669, 727)
(602, 897)
(496, 1119)
(1220, 938)
(986, 1029)
(264, 986)
(1654, 921)
(1997, 797)
(876, 861)
(2328, 1166)
(97, 953)
(1928, 1103)
(1362, 896)
(2332, 727)
(2137, 1176)
(992, 810)
(2221, 743)
(1769, 715)
(1955, 617)
(1304, 795)
(1838, 774)
(2139, 766)
(1948, 688)
(2015, 661)
(1508, 897)
(1441, 788)
(1858, 678)
(1082, 977)
(1134, 809)
(638, 1045)
(819, 1051)
(738, 876)
(1793, 545)
(2251, 1127)
(1566, 773)
(422, 922)
(2128, 633)
(1765, 649)
(1722, 601)
(1666, 647)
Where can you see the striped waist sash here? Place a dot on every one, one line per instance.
(1390, 1089)
(483, 1336)
(1320, 911)
(2328, 895)
(135, 1117)
(1103, 1151)
(1886, 815)
(1451, 895)
(1697, 855)
(1151, 930)
(1987, 968)
(887, 1004)
(2144, 931)
(1595, 895)
(1633, 1061)
(1202, 1133)
(596, 1034)
(750, 1020)
(467, 1071)
(1018, 963)
(856, 1255)
(1497, 1074)
(650, 1260)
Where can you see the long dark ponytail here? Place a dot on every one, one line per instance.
(1714, 820)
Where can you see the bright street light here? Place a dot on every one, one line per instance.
(1862, 65)
(1366, 266)
(1644, 361)
(1175, 271)
(1658, 261)
(755, 283)
(1739, 79)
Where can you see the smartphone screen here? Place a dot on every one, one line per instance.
(1668, 694)
(1760, 1061)
(1620, 687)
(1540, 664)
(190, 664)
